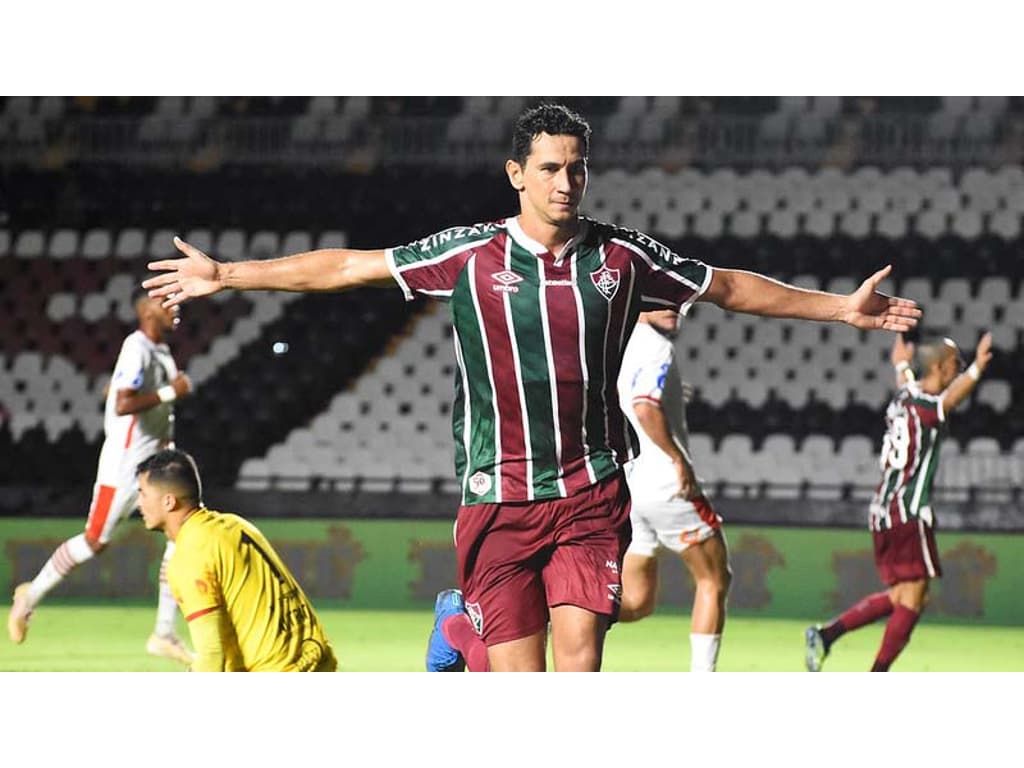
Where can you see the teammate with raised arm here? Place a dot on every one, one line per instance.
(542, 304)
(138, 421)
(669, 508)
(901, 518)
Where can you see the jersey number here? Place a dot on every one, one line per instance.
(248, 541)
(896, 446)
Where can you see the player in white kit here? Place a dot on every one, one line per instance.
(138, 422)
(669, 508)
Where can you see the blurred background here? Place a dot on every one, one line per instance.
(338, 406)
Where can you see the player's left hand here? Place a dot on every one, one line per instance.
(867, 308)
(983, 352)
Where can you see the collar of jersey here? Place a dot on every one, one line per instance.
(527, 242)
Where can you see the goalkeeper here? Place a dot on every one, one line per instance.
(245, 611)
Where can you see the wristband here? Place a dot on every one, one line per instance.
(973, 371)
(167, 394)
(901, 366)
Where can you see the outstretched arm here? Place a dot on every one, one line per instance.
(330, 269)
(965, 383)
(749, 292)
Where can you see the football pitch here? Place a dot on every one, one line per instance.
(110, 637)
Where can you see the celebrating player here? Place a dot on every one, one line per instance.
(901, 519)
(669, 507)
(138, 421)
(541, 304)
(245, 611)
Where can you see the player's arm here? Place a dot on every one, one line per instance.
(653, 422)
(965, 383)
(902, 356)
(742, 291)
(133, 401)
(211, 636)
(329, 269)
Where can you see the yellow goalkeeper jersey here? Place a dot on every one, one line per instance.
(223, 565)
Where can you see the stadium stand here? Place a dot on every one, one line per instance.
(361, 398)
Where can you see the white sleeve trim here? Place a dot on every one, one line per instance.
(389, 257)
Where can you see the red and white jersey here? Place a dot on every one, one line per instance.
(145, 366)
(649, 375)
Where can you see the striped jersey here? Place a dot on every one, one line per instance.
(538, 340)
(915, 425)
(145, 366)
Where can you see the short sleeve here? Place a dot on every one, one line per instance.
(193, 583)
(431, 266)
(648, 378)
(130, 368)
(666, 279)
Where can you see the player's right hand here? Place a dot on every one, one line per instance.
(182, 384)
(195, 275)
(687, 481)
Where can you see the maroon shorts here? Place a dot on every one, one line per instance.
(907, 552)
(517, 560)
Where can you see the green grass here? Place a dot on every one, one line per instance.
(110, 637)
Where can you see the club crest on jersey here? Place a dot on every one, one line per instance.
(506, 281)
(606, 280)
(476, 616)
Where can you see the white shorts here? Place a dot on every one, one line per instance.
(676, 525)
(115, 494)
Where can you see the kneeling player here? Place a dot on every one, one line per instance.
(245, 611)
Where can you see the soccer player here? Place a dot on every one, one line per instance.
(542, 304)
(245, 611)
(669, 508)
(900, 518)
(138, 421)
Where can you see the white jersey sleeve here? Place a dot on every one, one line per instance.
(648, 374)
(130, 368)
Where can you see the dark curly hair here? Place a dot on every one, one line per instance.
(552, 119)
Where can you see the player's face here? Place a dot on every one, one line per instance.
(151, 504)
(554, 179)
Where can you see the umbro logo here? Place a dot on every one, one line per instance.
(506, 281)
(507, 277)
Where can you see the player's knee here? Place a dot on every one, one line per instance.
(95, 545)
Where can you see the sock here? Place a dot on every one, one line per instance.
(896, 637)
(868, 610)
(704, 652)
(166, 607)
(72, 552)
(459, 632)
